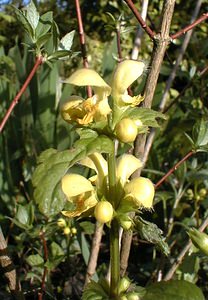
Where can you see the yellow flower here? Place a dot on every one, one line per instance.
(125, 74)
(141, 191)
(126, 165)
(98, 163)
(80, 192)
(92, 109)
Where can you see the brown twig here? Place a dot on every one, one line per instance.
(118, 40)
(151, 82)
(189, 154)
(189, 27)
(9, 269)
(182, 254)
(45, 271)
(139, 32)
(140, 19)
(82, 42)
(38, 62)
(92, 264)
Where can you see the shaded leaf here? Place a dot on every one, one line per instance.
(35, 260)
(173, 290)
(151, 233)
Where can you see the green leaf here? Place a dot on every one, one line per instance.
(56, 250)
(25, 214)
(55, 34)
(58, 54)
(66, 41)
(146, 115)
(32, 15)
(96, 290)
(173, 290)
(52, 167)
(151, 233)
(35, 260)
(42, 40)
(200, 133)
(44, 24)
(23, 20)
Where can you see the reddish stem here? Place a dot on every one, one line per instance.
(189, 154)
(38, 62)
(118, 39)
(139, 18)
(189, 27)
(82, 42)
(45, 271)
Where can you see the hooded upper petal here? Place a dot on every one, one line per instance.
(126, 165)
(75, 184)
(84, 77)
(125, 74)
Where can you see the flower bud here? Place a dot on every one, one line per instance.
(199, 239)
(61, 223)
(126, 130)
(124, 284)
(67, 231)
(103, 212)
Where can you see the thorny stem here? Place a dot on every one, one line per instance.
(38, 62)
(189, 154)
(45, 271)
(82, 42)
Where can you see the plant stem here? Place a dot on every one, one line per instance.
(38, 62)
(114, 259)
(114, 231)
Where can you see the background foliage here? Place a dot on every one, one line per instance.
(36, 125)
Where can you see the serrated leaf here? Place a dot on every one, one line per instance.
(151, 233)
(44, 24)
(52, 167)
(35, 260)
(146, 115)
(32, 15)
(66, 41)
(173, 290)
(200, 133)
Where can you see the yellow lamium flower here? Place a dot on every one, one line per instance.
(98, 163)
(125, 74)
(141, 190)
(80, 192)
(92, 109)
(126, 165)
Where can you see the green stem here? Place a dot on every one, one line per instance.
(114, 231)
(114, 259)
